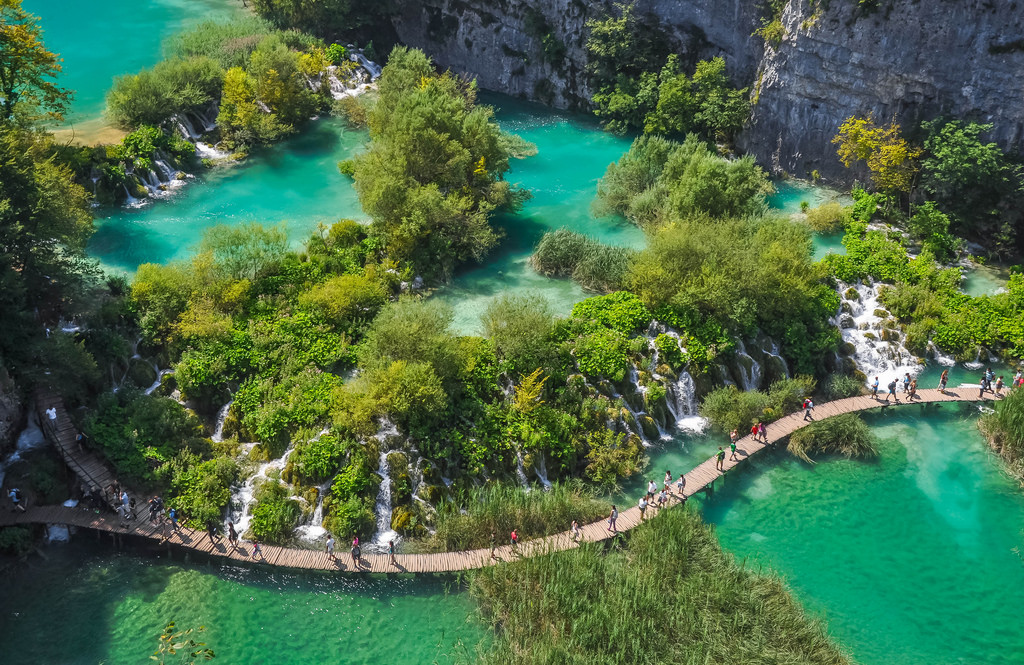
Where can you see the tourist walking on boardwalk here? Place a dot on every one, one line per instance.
(808, 409)
(999, 387)
(981, 388)
(680, 484)
(575, 532)
(391, 552)
(733, 435)
(732, 449)
(662, 500)
(211, 530)
(612, 518)
(357, 553)
(494, 543)
(874, 388)
(913, 388)
(720, 459)
(127, 503)
(173, 515)
(652, 489)
(256, 549)
(122, 512)
(642, 505)
(15, 496)
(943, 380)
(753, 431)
(330, 547)
(668, 477)
(156, 509)
(892, 392)
(232, 535)
(762, 431)
(514, 540)
(906, 382)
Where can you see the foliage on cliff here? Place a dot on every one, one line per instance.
(639, 84)
(434, 172)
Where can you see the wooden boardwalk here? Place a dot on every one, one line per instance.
(696, 480)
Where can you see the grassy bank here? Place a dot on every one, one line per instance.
(467, 523)
(671, 596)
(1004, 429)
(847, 435)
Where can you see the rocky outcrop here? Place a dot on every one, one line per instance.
(536, 50)
(910, 59)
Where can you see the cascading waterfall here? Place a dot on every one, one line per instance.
(524, 482)
(382, 507)
(30, 438)
(681, 398)
(242, 495)
(540, 467)
(879, 350)
(314, 530)
(222, 415)
(750, 369)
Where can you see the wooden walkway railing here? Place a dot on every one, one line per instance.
(696, 480)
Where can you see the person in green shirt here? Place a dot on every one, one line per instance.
(732, 448)
(720, 459)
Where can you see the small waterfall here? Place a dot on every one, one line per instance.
(372, 68)
(773, 351)
(30, 438)
(521, 472)
(684, 406)
(185, 128)
(314, 530)
(382, 507)
(540, 467)
(58, 533)
(242, 495)
(222, 415)
(129, 200)
(879, 350)
(751, 374)
(206, 151)
(160, 374)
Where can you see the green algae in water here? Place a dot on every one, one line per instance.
(910, 558)
(86, 605)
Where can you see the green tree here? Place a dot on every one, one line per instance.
(171, 87)
(27, 69)
(890, 159)
(433, 174)
(520, 326)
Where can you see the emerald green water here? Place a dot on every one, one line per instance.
(101, 40)
(910, 559)
(789, 194)
(85, 605)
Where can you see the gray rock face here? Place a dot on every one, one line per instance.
(499, 42)
(912, 60)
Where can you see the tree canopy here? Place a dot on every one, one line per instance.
(28, 71)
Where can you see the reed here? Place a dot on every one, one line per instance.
(589, 262)
(1004, 429)
(847, 435)
(467, 522)
(671, 596)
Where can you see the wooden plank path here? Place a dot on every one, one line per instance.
(696, 480)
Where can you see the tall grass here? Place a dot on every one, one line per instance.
(828, 217)
(1004, 428)
(672, 596)
(589, 262)
(467, 523)
(846, 435)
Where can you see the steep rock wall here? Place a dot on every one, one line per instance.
(499, 43)
(911, 60)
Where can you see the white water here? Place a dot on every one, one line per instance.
(314, 530)
(242, 495)
(682, 393)
(58, 533)
(887, 360)
(207, 151)
(30, 438)
(382, 507)
(751, 375)
(218, 432)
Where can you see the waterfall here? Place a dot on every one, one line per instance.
(30, 438)
(372, 68)
(684, 406)
(540, 467)
(58, 533)
(129, 200)
(242, 495)
(521, 472)
(160, 374)
(879, 351)
(382, 507)
(314, 530)
(218, 432)
(773, 352)
(751, 374)
(206, 151)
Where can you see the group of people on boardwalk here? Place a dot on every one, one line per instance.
(909, 387)
(357, 551)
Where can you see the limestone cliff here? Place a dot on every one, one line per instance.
(911, 59)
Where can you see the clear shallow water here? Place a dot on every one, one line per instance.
(86, 605)
(101, 40)
(789, 194)
(296, 183)
(910, 559)
(984, 280)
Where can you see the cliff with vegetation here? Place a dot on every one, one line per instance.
(813, 64)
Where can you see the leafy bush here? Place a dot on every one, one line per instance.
(669, 351)
(729, 408)
(274, 515)
(621, 311)
(840, 386)
(520, 327)
(200, 490)
(16, 540)
(845, 435)
(336, 54)
(171, 87)
(602, 354)
(828, 217)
